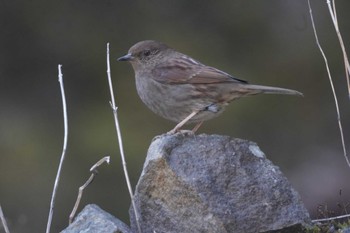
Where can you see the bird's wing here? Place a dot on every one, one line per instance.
(185, 70)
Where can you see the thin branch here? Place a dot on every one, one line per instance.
(105, 159)
(65, 139)
(333, 14)
(3, 220)
(120, 142)
(332, 218)
(94, 172)
(332, 86)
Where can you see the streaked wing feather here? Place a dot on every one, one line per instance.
(184, 70)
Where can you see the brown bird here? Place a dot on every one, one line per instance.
(181, 89)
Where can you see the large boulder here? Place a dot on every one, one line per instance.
(213, 183)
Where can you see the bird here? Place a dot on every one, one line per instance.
(184, 90)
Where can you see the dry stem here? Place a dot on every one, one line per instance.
(120, 142)
(65, 119)
(3, 220)
(333, 13)
(94, 172)
(332, 218)
(332, 86)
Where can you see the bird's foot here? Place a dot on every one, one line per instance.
(183, 132)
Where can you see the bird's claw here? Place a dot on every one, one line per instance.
(183, 132)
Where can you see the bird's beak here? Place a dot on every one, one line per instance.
(127, 57)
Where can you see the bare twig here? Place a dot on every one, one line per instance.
(333, 13)
(105, 159)
(332, 218)
(94, 172)
(3, 220)
(115, 113)
(65, 139)
(332, 86)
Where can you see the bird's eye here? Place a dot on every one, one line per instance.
(146, 53)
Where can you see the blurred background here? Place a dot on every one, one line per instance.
(264, 42)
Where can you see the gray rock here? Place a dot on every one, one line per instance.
(212, 183)
(92, 219)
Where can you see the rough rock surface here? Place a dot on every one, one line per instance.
(93, 219)
(212, 183)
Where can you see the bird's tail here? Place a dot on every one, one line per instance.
(256, 89)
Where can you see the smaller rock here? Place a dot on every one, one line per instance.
(93, 219)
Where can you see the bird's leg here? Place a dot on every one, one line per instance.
(212, 108)
(184, 121)
(197, 126)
